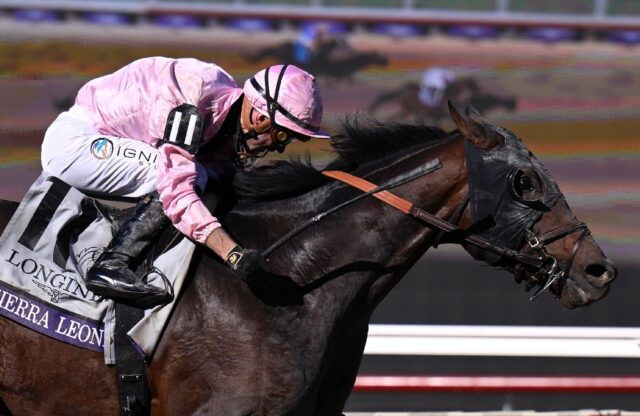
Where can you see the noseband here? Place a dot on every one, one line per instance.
(550, 273)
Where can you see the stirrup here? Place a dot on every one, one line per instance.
(151, 301)
(167, 293)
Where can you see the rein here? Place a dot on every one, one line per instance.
(409, 208)
(545, 265)
(377, 191)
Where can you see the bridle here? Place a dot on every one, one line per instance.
(544, 269)
(551, 272)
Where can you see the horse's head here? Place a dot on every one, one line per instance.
(516, 217)
(515, 205)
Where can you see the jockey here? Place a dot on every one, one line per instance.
(304, 45)
(156, 130)
(305, 48)
(433, 84)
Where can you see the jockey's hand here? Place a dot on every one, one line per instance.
(248, 263)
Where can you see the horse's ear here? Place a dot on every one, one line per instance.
(474, 131)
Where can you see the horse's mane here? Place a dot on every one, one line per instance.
(361, 144)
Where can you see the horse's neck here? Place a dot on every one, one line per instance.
(387, 242)
(329, 278)
(364, 248)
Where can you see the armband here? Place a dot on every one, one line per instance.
(184, 128)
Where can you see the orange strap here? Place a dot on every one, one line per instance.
(366, 186)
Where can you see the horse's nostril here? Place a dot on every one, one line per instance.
(605, 271)
(595, 270)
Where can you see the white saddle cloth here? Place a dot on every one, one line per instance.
(51, 241)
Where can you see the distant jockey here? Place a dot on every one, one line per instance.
(433, 85)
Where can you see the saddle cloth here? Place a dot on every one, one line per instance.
(50, 242)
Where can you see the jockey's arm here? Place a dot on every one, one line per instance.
(220, 242)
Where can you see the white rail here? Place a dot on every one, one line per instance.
(586, 412)
(482, 340)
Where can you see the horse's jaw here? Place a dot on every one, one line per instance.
(574, 295)
(578, 290)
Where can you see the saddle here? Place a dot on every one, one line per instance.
(50, 242)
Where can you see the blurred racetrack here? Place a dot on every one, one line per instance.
(578, 110)
(578, 103)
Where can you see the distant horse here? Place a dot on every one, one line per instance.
(325, 61)
(291, 343)
(403, 104)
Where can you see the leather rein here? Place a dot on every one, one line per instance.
(546, 268)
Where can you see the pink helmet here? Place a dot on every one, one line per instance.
(289, 96)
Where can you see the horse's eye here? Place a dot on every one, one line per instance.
(526, 185)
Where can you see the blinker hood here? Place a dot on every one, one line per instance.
(493, 202)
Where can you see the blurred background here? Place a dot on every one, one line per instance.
(563, 75)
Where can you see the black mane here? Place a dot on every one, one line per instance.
(359, 146)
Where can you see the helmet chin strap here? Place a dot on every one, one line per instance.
(247, 157)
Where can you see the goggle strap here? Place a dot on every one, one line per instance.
(272, 106)
(277, 91)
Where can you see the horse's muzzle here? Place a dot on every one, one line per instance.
(600, 275)
(592, 284)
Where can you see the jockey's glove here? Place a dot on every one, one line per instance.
(248, 263)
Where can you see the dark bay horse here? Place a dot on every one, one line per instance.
(332, 59)
(291, 344)
(402, 103)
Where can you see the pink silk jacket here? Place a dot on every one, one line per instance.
(134, 103)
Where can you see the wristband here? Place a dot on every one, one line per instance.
(234, 257)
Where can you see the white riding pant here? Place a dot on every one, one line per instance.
(74, 151)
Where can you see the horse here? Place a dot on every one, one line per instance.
(331, 59)
(403, 102)
(291, 342)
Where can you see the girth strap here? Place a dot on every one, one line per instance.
(133, 392)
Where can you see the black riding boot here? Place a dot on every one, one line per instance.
(112, 276)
